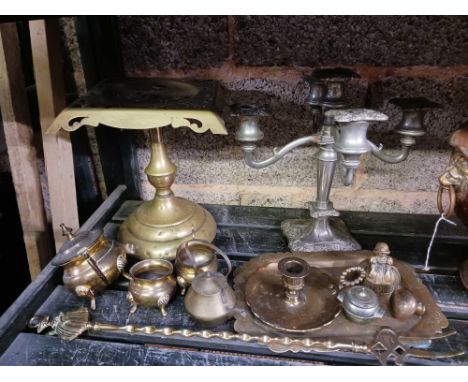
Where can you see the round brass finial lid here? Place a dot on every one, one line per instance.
(382, 249)
(76, 247)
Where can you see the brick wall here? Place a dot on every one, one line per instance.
(261, 58)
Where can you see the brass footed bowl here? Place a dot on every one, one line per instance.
(151, 284)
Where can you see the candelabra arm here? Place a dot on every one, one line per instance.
(400, 157)
(278, 153)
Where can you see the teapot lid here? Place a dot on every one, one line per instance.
(362, 297)
(76, 247)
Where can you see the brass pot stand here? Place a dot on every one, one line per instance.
(158, 226)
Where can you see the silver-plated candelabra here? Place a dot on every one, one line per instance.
(342, 139)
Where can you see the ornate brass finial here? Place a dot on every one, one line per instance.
(382, 249)
(382, 277)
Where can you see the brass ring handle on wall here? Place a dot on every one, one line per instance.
(452, 197)
(212, 247)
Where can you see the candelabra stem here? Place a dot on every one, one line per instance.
(325, 231)
(326, 164)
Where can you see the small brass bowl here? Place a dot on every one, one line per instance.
(151, 284)
(192, 258)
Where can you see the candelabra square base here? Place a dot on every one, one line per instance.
(324, 233)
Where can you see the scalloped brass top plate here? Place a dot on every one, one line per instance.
(145, 103)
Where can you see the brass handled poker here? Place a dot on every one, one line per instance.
(386, 346)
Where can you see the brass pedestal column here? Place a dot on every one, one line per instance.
(157, 227)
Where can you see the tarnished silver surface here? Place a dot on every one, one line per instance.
(356, 115)
(360, 304)
(318, 234)
(342, 139)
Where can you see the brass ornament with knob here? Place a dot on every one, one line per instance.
(157, 227)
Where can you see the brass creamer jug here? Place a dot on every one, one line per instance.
(210, 300)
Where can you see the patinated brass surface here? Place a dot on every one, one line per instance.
(382, 277)
(334, 263)
(455, 181)
(403, 305)
(194, 257)
(386, 345)
(210, 300)
(157, 227)
(455, 178)
(151, 284)
(90, 263)
(314, 306)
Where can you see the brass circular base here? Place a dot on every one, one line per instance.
(157, 227)
(317, 306)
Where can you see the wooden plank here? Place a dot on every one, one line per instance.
(58, 155)
(16, 317)
(45, 350)
(21, 152)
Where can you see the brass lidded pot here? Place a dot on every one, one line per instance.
(90, 262)
(194, 257)
(210, 300)
(151, 284)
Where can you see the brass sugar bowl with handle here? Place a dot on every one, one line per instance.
(151, 284)
(194, 257)
(90, 262)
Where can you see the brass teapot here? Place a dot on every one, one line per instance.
(210, 300)
(455, 181)
(90, 262)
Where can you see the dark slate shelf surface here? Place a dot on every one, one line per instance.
(243, 232)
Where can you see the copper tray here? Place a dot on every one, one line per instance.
(430, 324)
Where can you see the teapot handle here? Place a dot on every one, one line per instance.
(214, 248)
